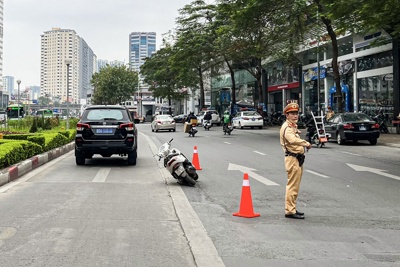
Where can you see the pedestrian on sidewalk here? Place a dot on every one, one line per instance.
(294, 148)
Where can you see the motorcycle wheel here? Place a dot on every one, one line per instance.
(189, 180)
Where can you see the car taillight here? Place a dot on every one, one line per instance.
(82, 126)
(246, 119)
(375, 126)
(260, 118)
(159, 122)
(172, 121)
(348, 126)
(127, 126)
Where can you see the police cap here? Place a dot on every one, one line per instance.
(291, 107)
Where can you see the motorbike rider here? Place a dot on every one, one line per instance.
(227, 118)
(191, 116)
(207, 116)
(329, 113)
(311, 128)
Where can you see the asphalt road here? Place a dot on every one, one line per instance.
(109, 214)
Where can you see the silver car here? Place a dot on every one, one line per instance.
(163, 122)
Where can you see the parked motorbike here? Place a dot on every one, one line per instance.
(319, 138)
(193, 130)
(227, 128)
(207, 125)
(177, 164)
(381, 121)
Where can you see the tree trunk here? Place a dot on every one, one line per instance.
(335, 66)
(201, 83)
(232, 73)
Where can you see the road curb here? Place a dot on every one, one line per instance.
(15, 171)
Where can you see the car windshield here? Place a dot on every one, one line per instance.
(104, 114)
(164, 117)
(356, 117)
(250, 113)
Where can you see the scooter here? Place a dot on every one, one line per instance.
(192, 130)
(228, 128)
(382, 125)
(320, 138)
(207, 125)
(177, 164)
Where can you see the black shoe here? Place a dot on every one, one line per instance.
(294, 216)
(299, 213)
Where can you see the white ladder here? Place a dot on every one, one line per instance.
(319, 125)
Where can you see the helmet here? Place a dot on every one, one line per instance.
(226, 112)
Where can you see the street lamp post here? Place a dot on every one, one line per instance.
(68, 62)
(18, 82)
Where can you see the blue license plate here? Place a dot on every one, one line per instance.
(104, 131)
(253, 119)
(362, 128)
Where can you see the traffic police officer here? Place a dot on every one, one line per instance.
(294, 148)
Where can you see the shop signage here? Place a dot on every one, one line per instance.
(312, 74)
(283, 86)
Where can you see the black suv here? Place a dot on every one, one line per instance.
(106, 130)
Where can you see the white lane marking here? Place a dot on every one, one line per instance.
(318, 174)
(259, 153)
(101, 175)
(353, 154)
(227, 143)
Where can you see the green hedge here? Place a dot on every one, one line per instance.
(18, 147)
(14, 151)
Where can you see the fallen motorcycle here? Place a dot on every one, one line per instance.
(177, 164)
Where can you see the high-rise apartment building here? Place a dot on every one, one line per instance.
(141, 45)
(8, 84)
(57, 47)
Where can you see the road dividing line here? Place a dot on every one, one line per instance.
(101, 175)
(318, 174)
(227, 143)
(353, 154)
(259, 153)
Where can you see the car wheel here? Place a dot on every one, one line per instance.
(174, 130)
(132, 156)
(240, 126)
(79, 158)
(260, 127)
(339, 139)
(156, 130)
(373, 142)
(152, 129)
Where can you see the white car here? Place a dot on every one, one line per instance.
(163, 122)
(248, 119)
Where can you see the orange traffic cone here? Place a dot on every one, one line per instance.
(195, 159)
(246, 204)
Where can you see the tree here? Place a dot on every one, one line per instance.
(194, 45)
(114, 85)
(252, 31)
(159, 73)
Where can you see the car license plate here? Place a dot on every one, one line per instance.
(179, 170)
(362, 128)
(104, 131)
(253, 119)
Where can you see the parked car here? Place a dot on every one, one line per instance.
(105, 130)
(248, 119)
(181, 118)
(215, 118)
(352, 126)
(163, 122)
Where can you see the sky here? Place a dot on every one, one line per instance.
(105, 25)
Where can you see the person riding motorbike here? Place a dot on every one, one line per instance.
(207, 116)
(191, 116)
(311, 129)
(226, 119)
